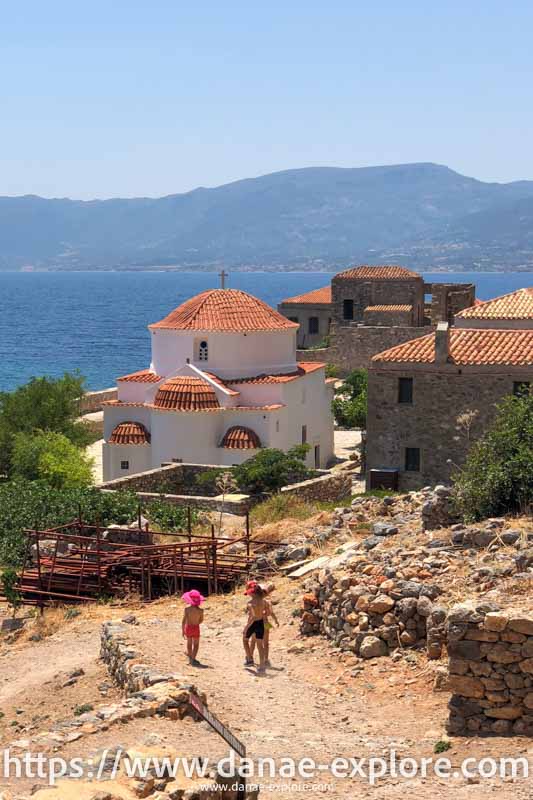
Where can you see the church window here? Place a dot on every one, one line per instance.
(412, 459)
(304, 434)
(313, 324)
(203, 351)
(124, 465)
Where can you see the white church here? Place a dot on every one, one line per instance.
(223, 383)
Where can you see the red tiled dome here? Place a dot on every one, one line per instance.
(226, 310)
(129, 433)
(240, 438)
(186, 393)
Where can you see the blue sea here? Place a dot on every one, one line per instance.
(95, 322)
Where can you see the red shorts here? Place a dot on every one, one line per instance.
(192, 631)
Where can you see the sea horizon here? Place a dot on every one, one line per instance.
(95, 321)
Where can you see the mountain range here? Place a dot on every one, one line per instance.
(422, 215)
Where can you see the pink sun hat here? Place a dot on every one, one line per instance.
(193, 598)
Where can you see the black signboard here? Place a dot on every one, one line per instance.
(217, 725)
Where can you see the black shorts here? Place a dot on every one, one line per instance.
(256, 628)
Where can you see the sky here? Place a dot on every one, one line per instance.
(124, 99)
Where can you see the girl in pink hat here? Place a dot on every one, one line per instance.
(193, 616)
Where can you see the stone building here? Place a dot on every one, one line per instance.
(429, 398)
(312, 312)
(372, 308)
(223, 382)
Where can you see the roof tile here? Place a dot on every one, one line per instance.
(240, 438)
(224, 310)
(322, 295)
(468, 346)
(142, 376)
(129, 433)
(379, 273)
(186, 393)
(516, 305)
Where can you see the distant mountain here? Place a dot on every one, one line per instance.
(423, 215)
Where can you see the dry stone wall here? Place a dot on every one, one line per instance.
(373, 619)
(491, 670)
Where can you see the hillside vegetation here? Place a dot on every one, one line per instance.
(424, 215)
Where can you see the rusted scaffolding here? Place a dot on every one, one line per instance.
(81, 565)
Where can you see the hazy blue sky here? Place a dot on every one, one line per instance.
(119, 98)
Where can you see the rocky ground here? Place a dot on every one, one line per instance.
(318, 700)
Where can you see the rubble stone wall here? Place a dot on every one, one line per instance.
(491, 670)
(371, 619)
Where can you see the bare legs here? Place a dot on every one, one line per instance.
(192, 648)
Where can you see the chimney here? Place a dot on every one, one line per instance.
(442, 343)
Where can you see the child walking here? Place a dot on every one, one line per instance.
(255, 626)
(193, 616)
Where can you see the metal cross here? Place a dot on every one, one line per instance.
(223, 275)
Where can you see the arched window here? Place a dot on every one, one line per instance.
(203, 351)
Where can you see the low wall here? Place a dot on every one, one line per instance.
(92, 401)
(178, 478)
(332, 486)
(371, 619)
(491, 670)
(173, 482)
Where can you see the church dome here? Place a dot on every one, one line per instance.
(186, 393)
(240, 438)
(129, 433)
(224, 310)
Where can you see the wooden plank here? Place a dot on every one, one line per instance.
(309, 567)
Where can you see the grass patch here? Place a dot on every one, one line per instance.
(83, 709)
(442, 745)
(286, 506)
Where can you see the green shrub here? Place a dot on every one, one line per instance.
(350, 402)
(51, 457)
(25, 504)
(497, 477)
(42, 404)
(169, 517)
(270, 469)
(9, 581)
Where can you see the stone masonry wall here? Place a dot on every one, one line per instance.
(432, 421)
(491, 670)
(331, 487)
(92, 401)
(402, 319)
(352, 347)
(374, 292)
(371, 618)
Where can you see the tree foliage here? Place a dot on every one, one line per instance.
(497, 477)
(51, 457)
(350, 401)
(42, 404)
(270, 469)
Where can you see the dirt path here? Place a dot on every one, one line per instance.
(313, 705)
(315, 702)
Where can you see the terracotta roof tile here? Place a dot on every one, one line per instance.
(186, 393)
(516, 305)
(218, 409)
(225, 310)
(240, 438)
(143, 376)
(129, 433)
(304, 368)
(379, 273)
(322, 295)
(468, 346)
(389, 308)
(220, 383)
